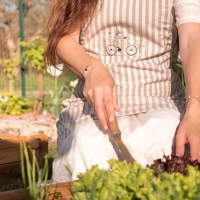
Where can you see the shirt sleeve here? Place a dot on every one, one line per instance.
(187, 11)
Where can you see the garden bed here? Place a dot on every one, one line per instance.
(10, 167)
(30, 124)
(63, 189)
(10, 163)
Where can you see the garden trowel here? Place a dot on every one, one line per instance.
(116, 134)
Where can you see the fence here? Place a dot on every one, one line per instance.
(32, 82)
(49, 83)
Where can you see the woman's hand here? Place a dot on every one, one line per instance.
(189, 131)
(100, 90)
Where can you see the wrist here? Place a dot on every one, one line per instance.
(193, 107)
(89, 67)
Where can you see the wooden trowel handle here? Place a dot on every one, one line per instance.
(113, 127)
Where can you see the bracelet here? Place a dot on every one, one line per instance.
(87, 66)
(189, 97)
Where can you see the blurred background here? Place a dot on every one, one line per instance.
(22, 44)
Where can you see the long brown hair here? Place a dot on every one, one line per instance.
(63, 18)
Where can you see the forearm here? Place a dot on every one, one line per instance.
(190, 56)
(73, 55)
(189, 130)
(191, 62)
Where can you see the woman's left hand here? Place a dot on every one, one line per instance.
(189, 131)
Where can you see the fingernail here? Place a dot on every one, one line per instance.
(111, 119)
(105, 127)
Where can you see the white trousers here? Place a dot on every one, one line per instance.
(147, 136)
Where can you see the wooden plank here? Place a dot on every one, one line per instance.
(9, 152)
(10, 170)
(64, 188)
(13, 194)
(10, 148)
(10, 173)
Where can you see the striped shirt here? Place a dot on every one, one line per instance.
(136, 40)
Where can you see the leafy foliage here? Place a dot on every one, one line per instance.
(10, 65)
(178, 68)
(57, 94)
(14, 104)
(132, 182)
(173, 164)
(33, 53)
(10, 68)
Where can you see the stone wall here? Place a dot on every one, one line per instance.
(29, 128)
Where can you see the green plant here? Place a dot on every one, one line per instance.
(33, 53)
(37, 190)
(12, 104)
(179, 70)
(57, 194)
(52, 151)
(33, 56)
(10, 67)
(131, 182)
(57, 94)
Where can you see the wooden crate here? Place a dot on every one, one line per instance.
(10, 170)
(64, 188)
(10, 164)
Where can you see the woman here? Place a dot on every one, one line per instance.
(122, 52)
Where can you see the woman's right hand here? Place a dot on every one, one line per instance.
(100, 90)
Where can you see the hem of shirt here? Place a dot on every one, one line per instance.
(128, 112)
(183, 21)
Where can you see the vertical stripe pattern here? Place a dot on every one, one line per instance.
(144, 79)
